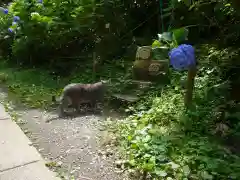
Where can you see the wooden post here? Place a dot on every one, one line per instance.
(192, 71)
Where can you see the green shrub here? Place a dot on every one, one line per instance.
(209, 20)
(163, 140)
(5, 38)
(47, 28)
(59, 32)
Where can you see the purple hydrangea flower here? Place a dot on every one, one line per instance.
(16, 18)
(40, 1)
(10, 30)
(182, 57)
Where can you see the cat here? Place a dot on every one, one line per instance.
(75, 94)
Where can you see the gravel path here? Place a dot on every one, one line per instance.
(73, 144)
(78, 147)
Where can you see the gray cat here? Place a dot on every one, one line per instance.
(75, 94)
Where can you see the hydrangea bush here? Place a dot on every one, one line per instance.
(10, 10)
(51, 28)
(24, 28)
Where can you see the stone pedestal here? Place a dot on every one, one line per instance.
(144, 53)
(147, 69)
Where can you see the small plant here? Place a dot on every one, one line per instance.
(171, 39)
(182, 56)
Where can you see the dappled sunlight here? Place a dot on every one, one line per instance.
(171, 106)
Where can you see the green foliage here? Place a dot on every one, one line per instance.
(167, 41)
(34, 92)
(206, 19)
(163, 140)
(63, 34)
(56, 33)
(172, 38)
(35, 87)
(5, 39)
(47, 28)
(180, 35)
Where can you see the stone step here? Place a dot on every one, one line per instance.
(141, 82)
(138, 84)
(126, 97)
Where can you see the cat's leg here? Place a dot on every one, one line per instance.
(96, 106)
(100, 103)
(101, 106)
(63, 102)
(78, 107)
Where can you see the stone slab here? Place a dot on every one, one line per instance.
(125, 97)
(33, 171)
(3, 114)
(15, 147)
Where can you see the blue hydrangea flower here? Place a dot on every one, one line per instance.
(16, 18)
(40, 1)
(5, 11)
(10, 30)
(182, 57)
